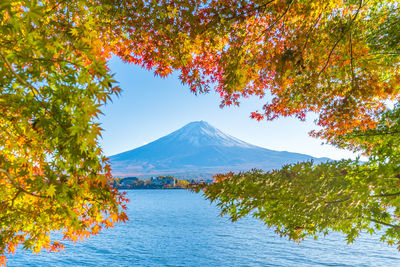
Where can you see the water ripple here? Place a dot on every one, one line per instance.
(179, 228)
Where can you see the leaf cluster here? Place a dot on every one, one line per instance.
(338, 59)
(306, 200)
(53, 80)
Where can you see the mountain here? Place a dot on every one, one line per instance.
(199, 149)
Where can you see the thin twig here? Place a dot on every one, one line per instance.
(388, 195)
(19, 78)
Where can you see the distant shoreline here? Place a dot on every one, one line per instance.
(160, 182)
(177, 188)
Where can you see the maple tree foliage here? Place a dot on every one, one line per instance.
(337, 58)
(53, 80)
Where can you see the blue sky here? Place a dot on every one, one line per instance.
(151, 107)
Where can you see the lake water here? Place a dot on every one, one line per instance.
(180, 228)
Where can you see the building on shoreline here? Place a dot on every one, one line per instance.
(159, 182)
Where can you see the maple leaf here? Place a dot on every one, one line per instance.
(51, 190)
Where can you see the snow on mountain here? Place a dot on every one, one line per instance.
(199, 149)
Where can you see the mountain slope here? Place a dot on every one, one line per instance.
(199, 148)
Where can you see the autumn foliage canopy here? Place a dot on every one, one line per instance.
(338, 59)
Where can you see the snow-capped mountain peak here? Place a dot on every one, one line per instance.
(200, 133)
(199, 148)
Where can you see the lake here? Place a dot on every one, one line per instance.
(181, 228)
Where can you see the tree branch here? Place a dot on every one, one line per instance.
(388, 195)
(19, 78)
(277, 20)
(353, 76)
(14, 183)
(376, 133)
(386, 224)
(340, 38)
